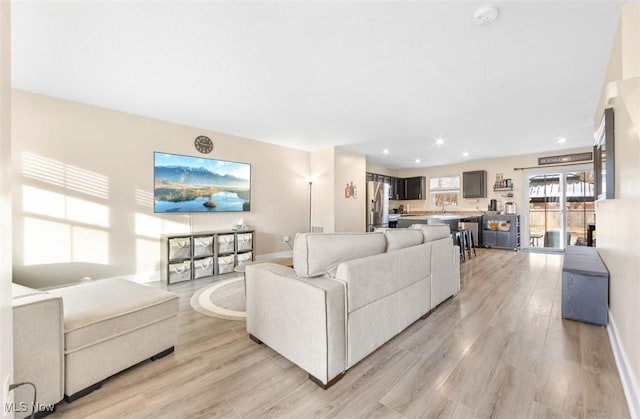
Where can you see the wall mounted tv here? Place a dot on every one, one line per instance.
(195, 184)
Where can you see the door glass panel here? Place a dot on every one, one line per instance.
(545, 216)
(561, 207)
(580, 205)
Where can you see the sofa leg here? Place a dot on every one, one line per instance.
(83, 392)
(427, 314)
(255, 339)
(45, 412)
(163, 353)
(322, 385)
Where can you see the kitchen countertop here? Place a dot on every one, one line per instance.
(438, 216)
(434, 217)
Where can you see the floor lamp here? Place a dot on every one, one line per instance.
(310, 179)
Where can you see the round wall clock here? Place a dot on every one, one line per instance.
(203, 144)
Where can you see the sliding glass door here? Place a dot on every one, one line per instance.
(560, 207)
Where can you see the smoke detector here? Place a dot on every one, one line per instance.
(485, 15)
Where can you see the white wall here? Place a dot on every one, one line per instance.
(617, 228)
(99, 220)
(6, 321)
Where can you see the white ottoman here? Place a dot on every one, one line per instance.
(111, 325)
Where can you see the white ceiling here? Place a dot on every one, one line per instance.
(365, 75)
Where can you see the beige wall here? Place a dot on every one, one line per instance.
(6, 323)
(322, 205)
(505, 166)
(617, 230)
(334, 168)
(98, 221)
(381, 170)
(350, 169)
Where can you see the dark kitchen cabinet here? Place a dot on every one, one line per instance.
(415, 187)
(401, 188)
(398, 189)
(474, 184)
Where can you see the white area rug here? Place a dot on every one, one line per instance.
(224, 299)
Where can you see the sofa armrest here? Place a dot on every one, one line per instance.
(38, 346)
(445, 270)
(301, 318)
(456, 270)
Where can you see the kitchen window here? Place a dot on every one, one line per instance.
(444, 191)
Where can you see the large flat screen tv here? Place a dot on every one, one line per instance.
(195, 184)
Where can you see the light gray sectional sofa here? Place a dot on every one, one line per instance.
(69, 340)
(348, 294)
(38, 342)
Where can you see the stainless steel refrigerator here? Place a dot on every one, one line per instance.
(377, 205)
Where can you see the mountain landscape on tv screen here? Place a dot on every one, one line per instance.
(180, 188)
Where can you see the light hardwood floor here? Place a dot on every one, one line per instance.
(499, 349)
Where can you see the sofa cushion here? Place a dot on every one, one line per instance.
(433, 231)
(100, 310)
(316, 254)
(372, 278)
(399, 238)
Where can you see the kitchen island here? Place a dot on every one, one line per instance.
(472, 220)
(452, 220)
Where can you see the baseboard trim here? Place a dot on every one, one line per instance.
(629, 382)
(277, 255)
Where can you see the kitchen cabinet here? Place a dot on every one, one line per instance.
(397, 188)
(415, 187)
(474, 184)
(392, 187)
(392, 182)
(501, 231)
(402, 188)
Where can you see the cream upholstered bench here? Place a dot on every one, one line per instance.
(111, 325)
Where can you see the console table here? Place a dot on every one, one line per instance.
(203, 254)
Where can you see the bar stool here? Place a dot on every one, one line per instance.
(458, 239)
(467, 240)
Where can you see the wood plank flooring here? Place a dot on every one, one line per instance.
(499, 349)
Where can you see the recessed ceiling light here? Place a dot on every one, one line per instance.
(385, 151)
(485, 15)
(562, 140)
(439, 141)
(465, 154)
(417, 160)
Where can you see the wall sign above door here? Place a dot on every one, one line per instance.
(565, 158)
